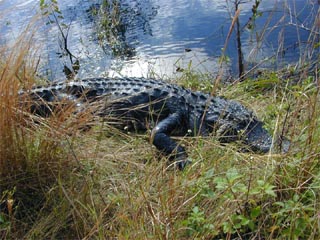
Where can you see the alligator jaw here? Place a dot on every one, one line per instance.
(261, 141)
(258, 138)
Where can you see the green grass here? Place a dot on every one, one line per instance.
(61, 182)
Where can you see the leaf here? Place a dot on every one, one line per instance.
(244, 221)
(269, 190)
(209, 173)
(221, 183)
(296, 197)
(227, 228)
(281, 204)
(1, 219)
(233, 175)
(251, 225)
(255, 212)
(195, 209)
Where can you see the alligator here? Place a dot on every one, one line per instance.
(165, 109)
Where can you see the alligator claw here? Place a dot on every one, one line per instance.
(181, 164)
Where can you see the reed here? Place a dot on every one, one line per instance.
(34, 152)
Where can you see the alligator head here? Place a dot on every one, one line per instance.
(259, 139)
(246, 128)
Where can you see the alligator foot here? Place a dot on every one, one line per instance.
(182, 163)
(161, 139)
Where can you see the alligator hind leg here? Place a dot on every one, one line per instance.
(161, 139)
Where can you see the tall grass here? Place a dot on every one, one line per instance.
(60, 182)
(34, 153)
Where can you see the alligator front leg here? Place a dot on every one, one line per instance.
(161, 139)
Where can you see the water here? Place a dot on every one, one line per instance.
(162, 38)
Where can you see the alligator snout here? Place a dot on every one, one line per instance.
(259, 140)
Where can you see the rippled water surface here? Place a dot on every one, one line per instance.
(160, 37)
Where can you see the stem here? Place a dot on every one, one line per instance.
(239, 48)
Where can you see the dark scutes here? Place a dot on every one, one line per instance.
(170, 110)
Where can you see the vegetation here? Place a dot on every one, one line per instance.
(111, 28)
(58, 181)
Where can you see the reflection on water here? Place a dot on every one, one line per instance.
(160, 38)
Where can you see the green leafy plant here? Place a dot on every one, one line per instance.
(196, 222)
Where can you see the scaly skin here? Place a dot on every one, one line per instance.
(168, 109)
